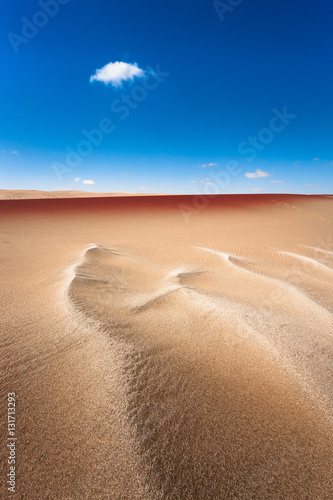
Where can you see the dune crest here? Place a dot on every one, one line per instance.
(103, 289)
(185, 358)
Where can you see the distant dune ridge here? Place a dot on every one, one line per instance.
(18, 194)
(157, 356)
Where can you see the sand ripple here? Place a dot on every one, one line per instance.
(223, 393)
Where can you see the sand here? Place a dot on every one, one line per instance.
(20, 194)
(169, 347)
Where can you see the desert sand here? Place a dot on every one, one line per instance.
(169, 347)
(21, 194)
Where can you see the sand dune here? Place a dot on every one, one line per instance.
(17, 194)
(318, 265)
(161, 355)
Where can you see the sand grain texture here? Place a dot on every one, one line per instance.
(163, 353)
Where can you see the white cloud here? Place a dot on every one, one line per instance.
(88, 181)
(16, 153)
(277, 182)
(77, 179)
(193, 182)
(316, 159)
(311, 185)
(117, 72)
(205, 165)
(142, 188)
(256, 190)
(255, 175)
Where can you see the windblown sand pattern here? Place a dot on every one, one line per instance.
(157, 356)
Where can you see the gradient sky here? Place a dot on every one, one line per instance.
(229, 75)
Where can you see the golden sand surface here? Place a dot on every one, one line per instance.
(21, 194)
(164, 348)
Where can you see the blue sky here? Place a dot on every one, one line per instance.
(249, 83)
